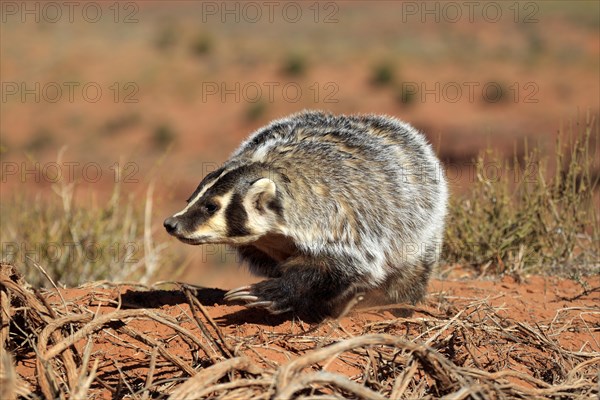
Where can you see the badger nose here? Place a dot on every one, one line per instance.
(170, 224)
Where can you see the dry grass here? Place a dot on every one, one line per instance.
(81, 241)
(531, 215)
(473, 352)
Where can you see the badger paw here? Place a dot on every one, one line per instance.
(267, 294)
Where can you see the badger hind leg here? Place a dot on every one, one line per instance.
(407, 285)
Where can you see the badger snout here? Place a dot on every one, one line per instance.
(179, 228)
(171, 224)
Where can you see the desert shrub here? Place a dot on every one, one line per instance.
(201, 45)
(531, 215)
(382, 74)
(294, 65)
(162, 136)
(120, 124)
(41, 140)
(256, 110)
(76, 242)
(535, 43)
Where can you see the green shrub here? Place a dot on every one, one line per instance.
(382, 74)
(120, 124)
(201, 45)
(162, 136)
(42, 139)
(294, 65)
(530, 219)
(256, 111)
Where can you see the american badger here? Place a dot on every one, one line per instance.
(326, 207)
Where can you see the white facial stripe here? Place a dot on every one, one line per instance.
(200, 194)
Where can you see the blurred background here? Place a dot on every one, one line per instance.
(104, 102)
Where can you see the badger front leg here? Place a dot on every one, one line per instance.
(312, 289)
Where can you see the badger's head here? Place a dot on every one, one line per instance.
(233, 205)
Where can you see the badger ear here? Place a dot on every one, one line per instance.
(261, 192)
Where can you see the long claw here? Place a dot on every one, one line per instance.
(247, 287)
(237, 290)
(236, 295)
(243, 297)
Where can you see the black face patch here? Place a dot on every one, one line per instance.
(236, 217)
(276, 206)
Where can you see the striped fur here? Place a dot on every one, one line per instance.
(316, 199)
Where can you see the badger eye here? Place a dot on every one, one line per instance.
(211, 207)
